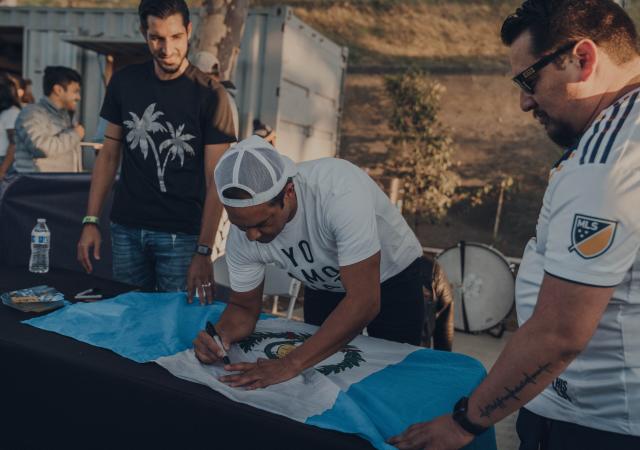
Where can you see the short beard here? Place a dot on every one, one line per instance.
(558, 131)
(169, 70)
(563, 135)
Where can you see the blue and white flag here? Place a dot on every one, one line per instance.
(372, 387)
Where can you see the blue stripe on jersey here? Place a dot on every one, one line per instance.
(585, 150)
(612, 139)
(564, 156)
(607, 127)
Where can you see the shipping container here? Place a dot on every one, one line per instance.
(288, 75)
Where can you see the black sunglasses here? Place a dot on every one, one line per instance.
(526, 79)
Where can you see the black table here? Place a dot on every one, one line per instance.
(56, 392)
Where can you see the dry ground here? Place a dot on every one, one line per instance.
(458, 43)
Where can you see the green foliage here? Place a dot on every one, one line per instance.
(423, 157)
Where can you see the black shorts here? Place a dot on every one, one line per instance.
(401, 307)
(539, 433)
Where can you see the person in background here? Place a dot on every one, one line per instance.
(23, 86)
(27, 97)
(9, 110)
(209, 64)
(47, 134)
(17, 81)
(264, 131)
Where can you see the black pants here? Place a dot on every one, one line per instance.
(539, 433)
(401, 311)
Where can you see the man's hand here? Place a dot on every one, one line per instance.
(200, 278)
(442, 433)
(260, 374)
(90, 237)
(79, 129)
(206, 349)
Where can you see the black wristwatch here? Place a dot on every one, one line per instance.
(460, 416)
(204, 250)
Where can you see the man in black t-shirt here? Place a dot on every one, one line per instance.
(170, 123)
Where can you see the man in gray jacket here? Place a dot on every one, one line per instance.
(47, 136)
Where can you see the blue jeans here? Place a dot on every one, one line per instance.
(152, 260)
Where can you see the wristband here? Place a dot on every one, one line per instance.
(91, 219)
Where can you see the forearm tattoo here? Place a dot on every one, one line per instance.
(512, 393)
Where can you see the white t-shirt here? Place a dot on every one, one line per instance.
(342, 218)
(7, 122)
(588, 232)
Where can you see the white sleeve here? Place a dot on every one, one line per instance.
(594, 225)
(10, 118)
(351, 219)
(246, 270)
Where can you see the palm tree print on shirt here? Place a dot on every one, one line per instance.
(140, 137)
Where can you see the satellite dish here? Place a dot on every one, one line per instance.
(483, 285)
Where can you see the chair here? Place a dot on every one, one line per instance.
(277, 283)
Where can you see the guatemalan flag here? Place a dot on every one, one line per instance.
(372, 387)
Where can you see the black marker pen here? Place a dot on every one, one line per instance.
(211, 331)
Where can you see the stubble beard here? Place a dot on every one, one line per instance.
(558, 131)
(169, 70)
(562, 134)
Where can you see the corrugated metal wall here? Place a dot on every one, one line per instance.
(288, 75)
(44, 33)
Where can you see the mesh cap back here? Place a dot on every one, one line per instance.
(257, 168)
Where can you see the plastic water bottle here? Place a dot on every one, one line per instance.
(40, 244)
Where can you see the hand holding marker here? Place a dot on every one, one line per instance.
(211, 331)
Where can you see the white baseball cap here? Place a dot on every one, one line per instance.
(257, 168)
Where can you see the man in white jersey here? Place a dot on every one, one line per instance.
(331, 227)
(575, 360)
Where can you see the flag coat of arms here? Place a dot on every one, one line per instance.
(591, 236)
(371, 387)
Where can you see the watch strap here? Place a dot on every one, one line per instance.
(460, 416)
(204, 250)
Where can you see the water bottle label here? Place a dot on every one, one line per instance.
(39, 239)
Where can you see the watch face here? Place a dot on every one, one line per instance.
(203, 250)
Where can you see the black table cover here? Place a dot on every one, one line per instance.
(59, 393)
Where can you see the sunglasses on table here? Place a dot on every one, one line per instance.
(526, 80)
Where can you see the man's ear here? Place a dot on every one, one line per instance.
(143, 32)
(586, 54)
(189, 30)
(58, 90)
(291, 189)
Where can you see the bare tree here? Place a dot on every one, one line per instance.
(220, 32)
(215, 49)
